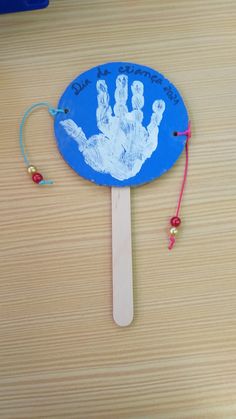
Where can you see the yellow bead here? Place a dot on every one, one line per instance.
(32, 169)
(173, 231)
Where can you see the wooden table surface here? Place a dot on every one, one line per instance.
(61, 355)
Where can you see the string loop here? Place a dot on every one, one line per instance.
(175, 220)
(36, 177)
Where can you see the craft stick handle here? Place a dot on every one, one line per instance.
(122, 257)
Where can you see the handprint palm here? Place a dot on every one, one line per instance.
(123, 144)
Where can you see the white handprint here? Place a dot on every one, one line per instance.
(123, 144)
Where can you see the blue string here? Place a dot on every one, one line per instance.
(53, 112)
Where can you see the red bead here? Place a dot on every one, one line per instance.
(175, 221)
(37, 177)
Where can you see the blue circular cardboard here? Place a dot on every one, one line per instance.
(119, 124)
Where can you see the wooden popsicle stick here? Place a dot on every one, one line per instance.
(122, 257)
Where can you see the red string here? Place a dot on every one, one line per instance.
(171, 242)
(187, 132)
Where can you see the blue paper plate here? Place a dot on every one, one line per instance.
(120, 123)
(11, 6)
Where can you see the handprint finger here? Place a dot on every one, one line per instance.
(121, 95)
(158, 108)
(131, 124)
(137, 98)
(103, 110)
(75, 132)
(137, 101)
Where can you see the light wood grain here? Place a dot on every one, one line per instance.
(61, 355)
(122, 264)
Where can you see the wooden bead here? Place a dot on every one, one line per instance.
(32, 169)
